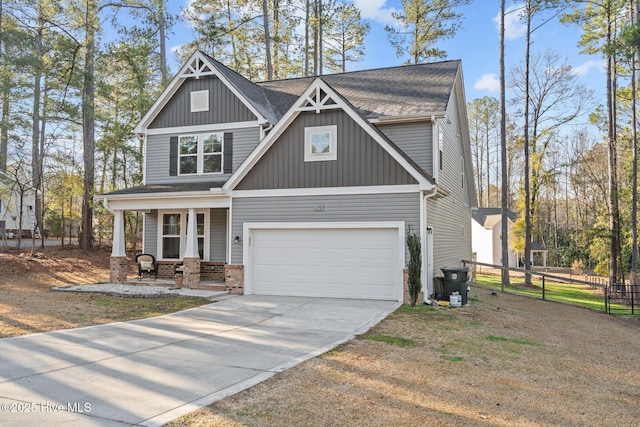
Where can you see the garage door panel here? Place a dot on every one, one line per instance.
(324, 262)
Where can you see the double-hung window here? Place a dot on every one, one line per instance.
(200, 154)
(173, 235)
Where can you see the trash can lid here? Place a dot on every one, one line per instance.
(455, 269)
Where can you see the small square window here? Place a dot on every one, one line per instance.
(320, 143)
(199, 101)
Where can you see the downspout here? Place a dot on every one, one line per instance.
(427, 287)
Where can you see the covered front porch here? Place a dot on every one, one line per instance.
(185, 232)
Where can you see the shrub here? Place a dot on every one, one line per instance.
(414, 266)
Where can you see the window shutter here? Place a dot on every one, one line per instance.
(173, 156)
(227, 159)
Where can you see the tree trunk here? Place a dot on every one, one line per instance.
(634, 190)
(4, 137)
(503, 157)
(88, 131)
(320, 47)
(612, 160)
(307, 25)
(164, 70)
(527, 192)
(267, 39)
(36, 154)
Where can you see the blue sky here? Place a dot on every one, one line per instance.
(476, 44)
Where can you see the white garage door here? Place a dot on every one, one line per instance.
(327, 262)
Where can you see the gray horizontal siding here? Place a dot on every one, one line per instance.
(157, 160)
(150, 238)
(224, 106)
(346, 208)
(415, 139)
(450, 216)
(360, 159)
(218, 229)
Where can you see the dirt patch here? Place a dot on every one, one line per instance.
(28, 305)
(504, 360)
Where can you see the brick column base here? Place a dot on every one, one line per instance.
(119, 267)
(191, 272)
(234, 278)
(405, 285)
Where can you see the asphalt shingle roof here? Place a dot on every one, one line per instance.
(403, 90)
(253, 93)
(480, 215)
(169, 188)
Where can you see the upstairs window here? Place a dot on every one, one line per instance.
(320, 143)
(200, 154)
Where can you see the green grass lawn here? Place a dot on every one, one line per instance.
(573, 294)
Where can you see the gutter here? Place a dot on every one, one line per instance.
(403, 118)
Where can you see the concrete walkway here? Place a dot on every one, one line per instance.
(148, 372)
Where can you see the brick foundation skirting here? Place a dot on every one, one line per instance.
(208, 270)
(191, 272)
(234, 278)
(118, 269)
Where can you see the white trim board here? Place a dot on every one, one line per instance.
(327, 191)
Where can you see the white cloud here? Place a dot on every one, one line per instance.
(514, 26)
(583, 69)
(488, 82)
(375, 10)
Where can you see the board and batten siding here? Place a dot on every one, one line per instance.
(360, 159)
(217, 234)
(450, 216)
(415, 139)
(342, 208)
(157, 160)
(224, 106)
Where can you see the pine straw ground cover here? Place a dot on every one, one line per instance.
(504, 360)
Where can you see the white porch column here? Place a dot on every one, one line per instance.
(118, 249)
(191, 259)
(191, 249)
(118, 262)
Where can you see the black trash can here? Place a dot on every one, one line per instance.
(455, 280)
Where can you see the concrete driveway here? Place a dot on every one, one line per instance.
(148, 372)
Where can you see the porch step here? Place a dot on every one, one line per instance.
(210, 286)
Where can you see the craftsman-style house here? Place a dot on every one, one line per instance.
(304, 186)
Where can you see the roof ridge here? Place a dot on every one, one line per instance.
(359, 71)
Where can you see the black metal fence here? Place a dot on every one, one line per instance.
(544, 277)
(623, 299)
(619, 299)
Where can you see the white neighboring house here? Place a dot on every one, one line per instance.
(486, 232)
(10, 206)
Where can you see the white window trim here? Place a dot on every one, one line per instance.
(183, 232)
(309, 132)
(199, 101)
(200, 154)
